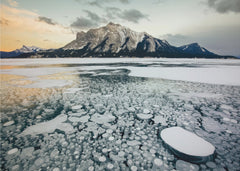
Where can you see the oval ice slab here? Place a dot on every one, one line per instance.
(187, 145)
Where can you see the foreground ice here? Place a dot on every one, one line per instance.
(107, 120)
(187, 145)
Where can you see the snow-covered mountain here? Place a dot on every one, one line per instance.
(116, 40)
(195, 49)
(29, 49)
(17, 52)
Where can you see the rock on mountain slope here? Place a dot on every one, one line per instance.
(17, 52)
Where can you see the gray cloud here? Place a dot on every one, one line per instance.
(175, 36)
(223, 6)
(94, 16)
(113, 12)
(132, 15)
(124, 1)
(92, 20)
(46, 20)
(100, 3)
(176, 39)
(83, 23)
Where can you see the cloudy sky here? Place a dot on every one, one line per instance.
(214, 24)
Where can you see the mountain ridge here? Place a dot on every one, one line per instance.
(115, 40)
(22, 50)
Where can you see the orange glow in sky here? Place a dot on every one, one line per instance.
(21, 27)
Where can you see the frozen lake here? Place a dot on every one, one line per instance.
(107, 114)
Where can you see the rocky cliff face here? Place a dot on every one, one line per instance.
(116, 39)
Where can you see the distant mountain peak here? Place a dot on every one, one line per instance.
(195, 48)
(23, 49)
(29, 49)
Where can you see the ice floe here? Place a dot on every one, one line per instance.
(144, 116)
(12, 151)
(8, 123)
(50, 126)
(187, 145)
(101, 119)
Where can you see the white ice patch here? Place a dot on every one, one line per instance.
(187, 142)
(49, 126)
(133, 143)
(217, 75)
(41, 83)
(144, 116)
(12, 151)
(82, 119)
(8, 123)
(101, 119)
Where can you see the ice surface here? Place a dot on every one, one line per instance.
(211, 75)
(211, 125)
(211, 165)
(144, 116)
(95, 114)
(48, 83)
(217, 71)
(27, 152)
(133, 143)
(183, 166)
(8, 123)
(134, 168)
(110, 166)
(49, 126)
(158, 162)
(102, 159)
(101, 119)
(187, 142)
(12, 151)
(160, 119)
